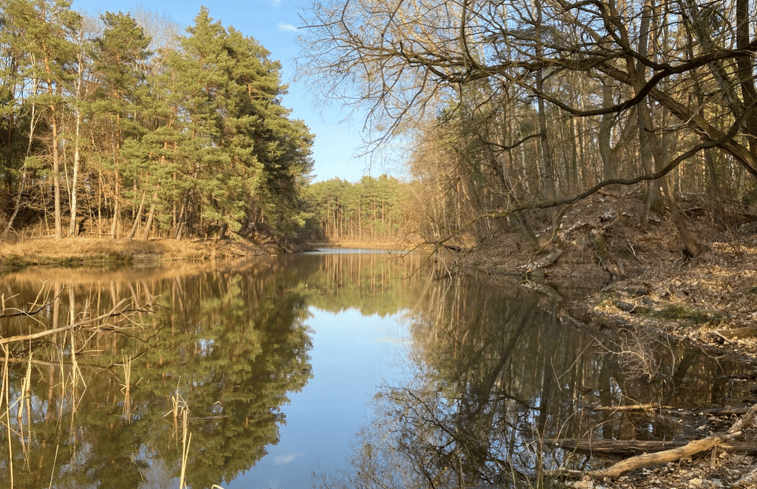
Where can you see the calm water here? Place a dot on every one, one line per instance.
(310, 370)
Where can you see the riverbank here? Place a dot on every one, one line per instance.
(99, 252)
(93, 252)
(614, 273)
(362, 245)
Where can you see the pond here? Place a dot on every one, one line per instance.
(331, 369)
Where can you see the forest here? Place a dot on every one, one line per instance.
(122, 128)
(373, 210)
(506, 113)
(507, 107)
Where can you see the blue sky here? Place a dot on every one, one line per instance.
(274, 24)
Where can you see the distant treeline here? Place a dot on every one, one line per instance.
(372, 210)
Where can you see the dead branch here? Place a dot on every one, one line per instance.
(25, 313)
(624, 448)
(116, 311)
(19, 312)
(688, 450)
(634, 407)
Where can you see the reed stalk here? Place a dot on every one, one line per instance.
(126, 389)
(6, 394)
(25, 402)
(52, 472)
(185, 442)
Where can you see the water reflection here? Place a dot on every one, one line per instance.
(99, 405)
(497, 376)
(230, 346)
(491, 375)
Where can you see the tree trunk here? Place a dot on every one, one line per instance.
(56, 174)
(182, 216)
(609, 166)
(150, 217)
(546, 153)
(746, 73)
(73, 229)
(137, 217)
(116, 206)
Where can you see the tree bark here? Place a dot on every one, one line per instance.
(150, 217)
(746, 73)
(73, 229)
(137, 217)
(546, 152)
(56, 174)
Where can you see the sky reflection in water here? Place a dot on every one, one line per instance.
(352, 356)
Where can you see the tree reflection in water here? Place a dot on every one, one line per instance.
(496, 376)
(232, 346)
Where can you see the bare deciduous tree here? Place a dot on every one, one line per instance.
(637, 65)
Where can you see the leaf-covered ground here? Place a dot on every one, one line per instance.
(615, 272)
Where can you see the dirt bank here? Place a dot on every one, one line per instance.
(106, 252)
(613, 272)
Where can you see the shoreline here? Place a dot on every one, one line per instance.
(692, 301)
(707, 302)
(73, 252)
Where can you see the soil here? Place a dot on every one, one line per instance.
(612, 271)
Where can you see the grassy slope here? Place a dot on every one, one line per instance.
(94, 251)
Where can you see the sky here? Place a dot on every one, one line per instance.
(273, 23)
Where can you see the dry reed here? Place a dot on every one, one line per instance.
(180, 409)
(6, 394)
(185, 442)
(126, 389)
(25, 402)
(52, 472)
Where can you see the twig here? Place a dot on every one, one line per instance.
(28, 313)
(112, 313)
(633, 407)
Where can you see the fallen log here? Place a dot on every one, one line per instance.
(690, 449)
(746, 332)
(620, 448)
(632, 407)
(719, 411)
(647, 459)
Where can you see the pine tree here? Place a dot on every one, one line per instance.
(120, 53)
(243, 155)
(45, 29)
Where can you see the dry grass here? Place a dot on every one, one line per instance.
(73, 252)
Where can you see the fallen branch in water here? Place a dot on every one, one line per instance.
(688, 450)
(626, 448)
(115, 312)
(633, 407)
